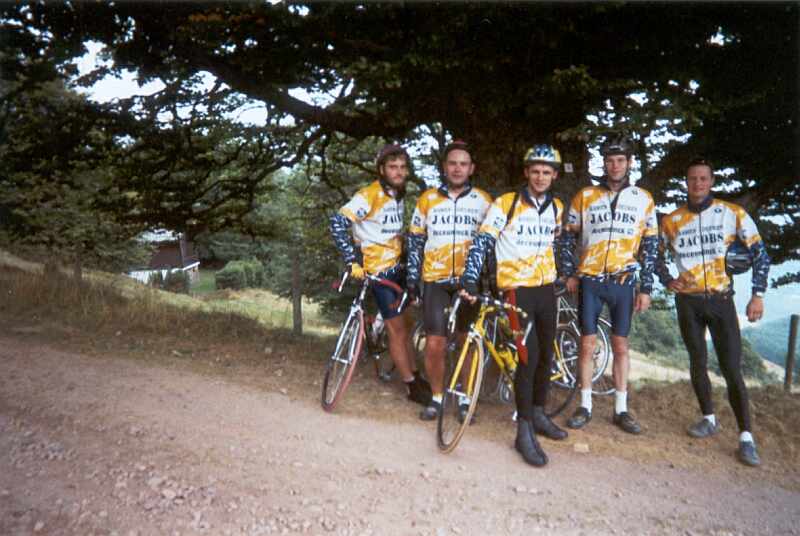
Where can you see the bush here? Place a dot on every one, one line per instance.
(177, 281)
(241, 274)
(231, 276)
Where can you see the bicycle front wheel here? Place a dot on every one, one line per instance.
(463, 384)
(342, 363)
(562, 386)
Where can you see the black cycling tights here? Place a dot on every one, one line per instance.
(532, 380)
(718, 313)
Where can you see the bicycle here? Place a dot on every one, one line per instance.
(465, 375)
(568, 339)
(342, 363)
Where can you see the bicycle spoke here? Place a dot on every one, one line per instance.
(340, 367)
(461, 389)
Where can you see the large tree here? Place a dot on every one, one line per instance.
(723, 76)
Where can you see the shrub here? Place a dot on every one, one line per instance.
(177, 281)
(231, 276)
(241, 274)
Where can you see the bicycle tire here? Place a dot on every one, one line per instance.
(568, 339)
(342, 363)
(602, 383)
(450, 428)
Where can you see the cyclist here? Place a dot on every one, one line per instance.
(618, 231)
(375, 214)
(521, 227)
(442, 227)
(698, 235)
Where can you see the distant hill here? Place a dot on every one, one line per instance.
(771, 340)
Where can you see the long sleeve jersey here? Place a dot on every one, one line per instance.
(523, 243)
(441, 231)
(376, 218)
(698, 240)
(618, 233)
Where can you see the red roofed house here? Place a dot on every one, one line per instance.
(172, 252)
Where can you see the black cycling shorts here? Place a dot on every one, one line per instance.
(436, 297)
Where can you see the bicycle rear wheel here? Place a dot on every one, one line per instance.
(342, 363)
(463, 379)
(602, 378)
(569, 345)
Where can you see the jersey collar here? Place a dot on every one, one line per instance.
(604, 183)
(701, 206)
(445, 190)
(548, 198)
(397, 194)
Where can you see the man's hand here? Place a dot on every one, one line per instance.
(469, 292)
(356, 271)
(573, 283)
(676, 285)
(755, 309)
(642, 303)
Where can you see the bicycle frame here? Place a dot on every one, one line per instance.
(477, 333)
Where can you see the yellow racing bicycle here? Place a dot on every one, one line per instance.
(489, 336)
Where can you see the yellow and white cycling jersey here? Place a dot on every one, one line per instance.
(699, 241)
(524, 242)
(377, 219)
(611, 227)
(448, 225)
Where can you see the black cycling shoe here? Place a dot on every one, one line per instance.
(703, 428)
(431, 411)
(419, 391)
(543, 425)
(747, 454)
(527, 445)
(626, 422)
(580, 418)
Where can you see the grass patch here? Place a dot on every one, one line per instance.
(205, 283)
(107, 303)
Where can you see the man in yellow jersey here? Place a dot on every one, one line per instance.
(618, 231)
(375, 214)
(521, 228)
(444, 222)
(698, 236)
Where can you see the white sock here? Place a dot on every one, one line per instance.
(437, 398)
(586, 399)
(711, 418)
(620, 402)
(746, 436)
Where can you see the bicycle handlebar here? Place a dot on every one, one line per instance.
(381, 281)
(492, 302)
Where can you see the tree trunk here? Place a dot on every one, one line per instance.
(297, 295)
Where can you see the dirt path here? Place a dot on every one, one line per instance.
(108, 445)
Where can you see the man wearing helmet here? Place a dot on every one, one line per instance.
(442, 227)
(698, 235)
(618, 231)
(375, 214)
(521, 228)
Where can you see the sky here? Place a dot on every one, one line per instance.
(778, 303)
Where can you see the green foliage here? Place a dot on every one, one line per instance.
(656, 332)
(241, 274)
(177, 281)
